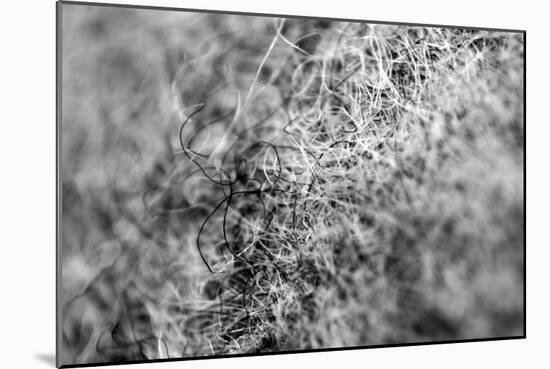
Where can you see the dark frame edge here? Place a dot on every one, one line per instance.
(293, 352)
(525, 184)
(58, 197)
(234, 12)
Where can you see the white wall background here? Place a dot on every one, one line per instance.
(27, 185)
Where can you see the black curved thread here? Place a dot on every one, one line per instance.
(227, 181)
(241, 177)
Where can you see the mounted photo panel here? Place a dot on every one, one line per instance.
(235, 184)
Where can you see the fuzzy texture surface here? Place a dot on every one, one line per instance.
(236, 184)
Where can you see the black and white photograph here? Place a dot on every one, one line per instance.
(234, 184)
